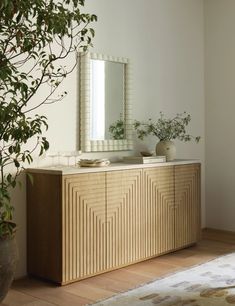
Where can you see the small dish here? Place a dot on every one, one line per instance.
(94, 162)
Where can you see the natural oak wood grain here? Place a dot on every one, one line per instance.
(187, 205)
(80, 225)
(44, 231)
(83, 226)
(33, 292)
(159, 210)
(125, 237)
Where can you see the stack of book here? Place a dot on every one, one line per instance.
(144, 159)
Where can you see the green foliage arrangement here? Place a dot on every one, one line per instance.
(117, 130)
(35, 38)
(165, 128)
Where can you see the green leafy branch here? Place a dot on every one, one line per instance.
(165, 128)
(36, 36)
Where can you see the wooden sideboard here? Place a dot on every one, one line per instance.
(82, 222)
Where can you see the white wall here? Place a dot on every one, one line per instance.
(165, 41)
(220, 110)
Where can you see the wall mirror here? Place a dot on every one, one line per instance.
(105, 106)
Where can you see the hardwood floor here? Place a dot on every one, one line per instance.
(33, 292)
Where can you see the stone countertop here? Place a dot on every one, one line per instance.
(67, 170)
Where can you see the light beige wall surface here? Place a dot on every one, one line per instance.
(220, 110)
(165, 41)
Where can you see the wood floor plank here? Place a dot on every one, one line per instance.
(33, 292)
(123, 275)
(16, 298)
(102, 281)
(152, 269)
(88, 291)
(49, 292)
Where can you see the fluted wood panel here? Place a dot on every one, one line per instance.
(105, 220)
(159, 211)
(187, 204)
(124, 218)
(83, 225)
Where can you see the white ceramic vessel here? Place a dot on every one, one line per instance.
(166, 148)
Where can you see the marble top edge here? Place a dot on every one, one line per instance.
(65, 170)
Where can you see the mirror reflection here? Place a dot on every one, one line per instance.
(107, 96)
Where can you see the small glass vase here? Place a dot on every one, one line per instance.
(166, 148)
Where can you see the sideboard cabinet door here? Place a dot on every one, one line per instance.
(83, 226)
(159, 210)
(187, 205)
(125, 235)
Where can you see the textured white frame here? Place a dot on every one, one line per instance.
(86, 144)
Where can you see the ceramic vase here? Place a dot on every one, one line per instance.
(166, 148)
(8, 261)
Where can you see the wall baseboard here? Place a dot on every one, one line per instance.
(215, 230)
(218, 235)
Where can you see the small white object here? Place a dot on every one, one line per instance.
(94, 162)
(144, 159)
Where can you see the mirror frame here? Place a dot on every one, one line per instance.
(85, 142)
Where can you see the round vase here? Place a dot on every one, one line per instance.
(8, 261)
(166, 148)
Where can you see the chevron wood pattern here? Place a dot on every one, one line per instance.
(159, 211)
(100, 221)
(125, 236)
(187, 205)
(83, 226)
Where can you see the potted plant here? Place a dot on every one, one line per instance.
(35, 38)
(166, 130)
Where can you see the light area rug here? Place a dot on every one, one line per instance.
(208, 284)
